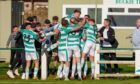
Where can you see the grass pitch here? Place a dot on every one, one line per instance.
(4, 79)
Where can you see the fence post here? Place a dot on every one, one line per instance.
(44, 70)
(97, 65)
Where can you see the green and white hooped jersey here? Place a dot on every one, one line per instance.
(91, 32)
(73, 37)
(63, 40)
(29, 39)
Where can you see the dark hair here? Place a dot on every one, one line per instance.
(92, 20)
(30, 19)
(38, 24)
(108, 20)
(35, 18)
(27, 24)
(14, 26)
(55, 18)
(33, 25)
(64, 22)
(77, 11)
(47, 21)
(87, 16)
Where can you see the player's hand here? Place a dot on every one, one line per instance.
(57, 42)
(128, 37)
(42, 39)
(101, 38)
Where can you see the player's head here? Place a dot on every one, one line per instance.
(91, 22)
(29, 19)
(107, 22)
(47, 23)
(15, 28)
(77, 13)
(64, 22)
(138, 23)
(73, 20)
(38, 26)
(87, 18)
(35, 19)
(55, 19)
(33, 26)
(28, 25)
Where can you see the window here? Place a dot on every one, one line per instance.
(69, 11)
(123, 20)
(92, 12)
(115, 9)
(85, 9)
(123, 16)
(134, 10)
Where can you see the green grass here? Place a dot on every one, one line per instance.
(124, 69)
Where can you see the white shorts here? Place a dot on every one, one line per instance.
(63, 56)
(31, 56)
(89, 48)
(74, 51)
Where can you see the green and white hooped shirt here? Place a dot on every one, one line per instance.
(63, 38)
(29, 37)
(73, 37)
(91, 32)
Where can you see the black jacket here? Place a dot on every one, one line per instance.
(111, 37)
(19, 40)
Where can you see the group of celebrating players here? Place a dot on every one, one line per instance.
(76, 40)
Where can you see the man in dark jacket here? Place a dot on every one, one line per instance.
(108, 40)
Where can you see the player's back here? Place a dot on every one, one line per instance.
(29, 37)
(91, 33)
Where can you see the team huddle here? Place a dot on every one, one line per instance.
(76, 38)
(76, 42)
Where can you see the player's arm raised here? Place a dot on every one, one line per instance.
(81, 24)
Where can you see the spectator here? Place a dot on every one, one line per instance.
(35, 20)
(12, 41)
(108, 40)
(54, 39)
(55, 20)
(47, 29)
(136, 42)
(37, 43)
(136, 35)
(48, 41)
